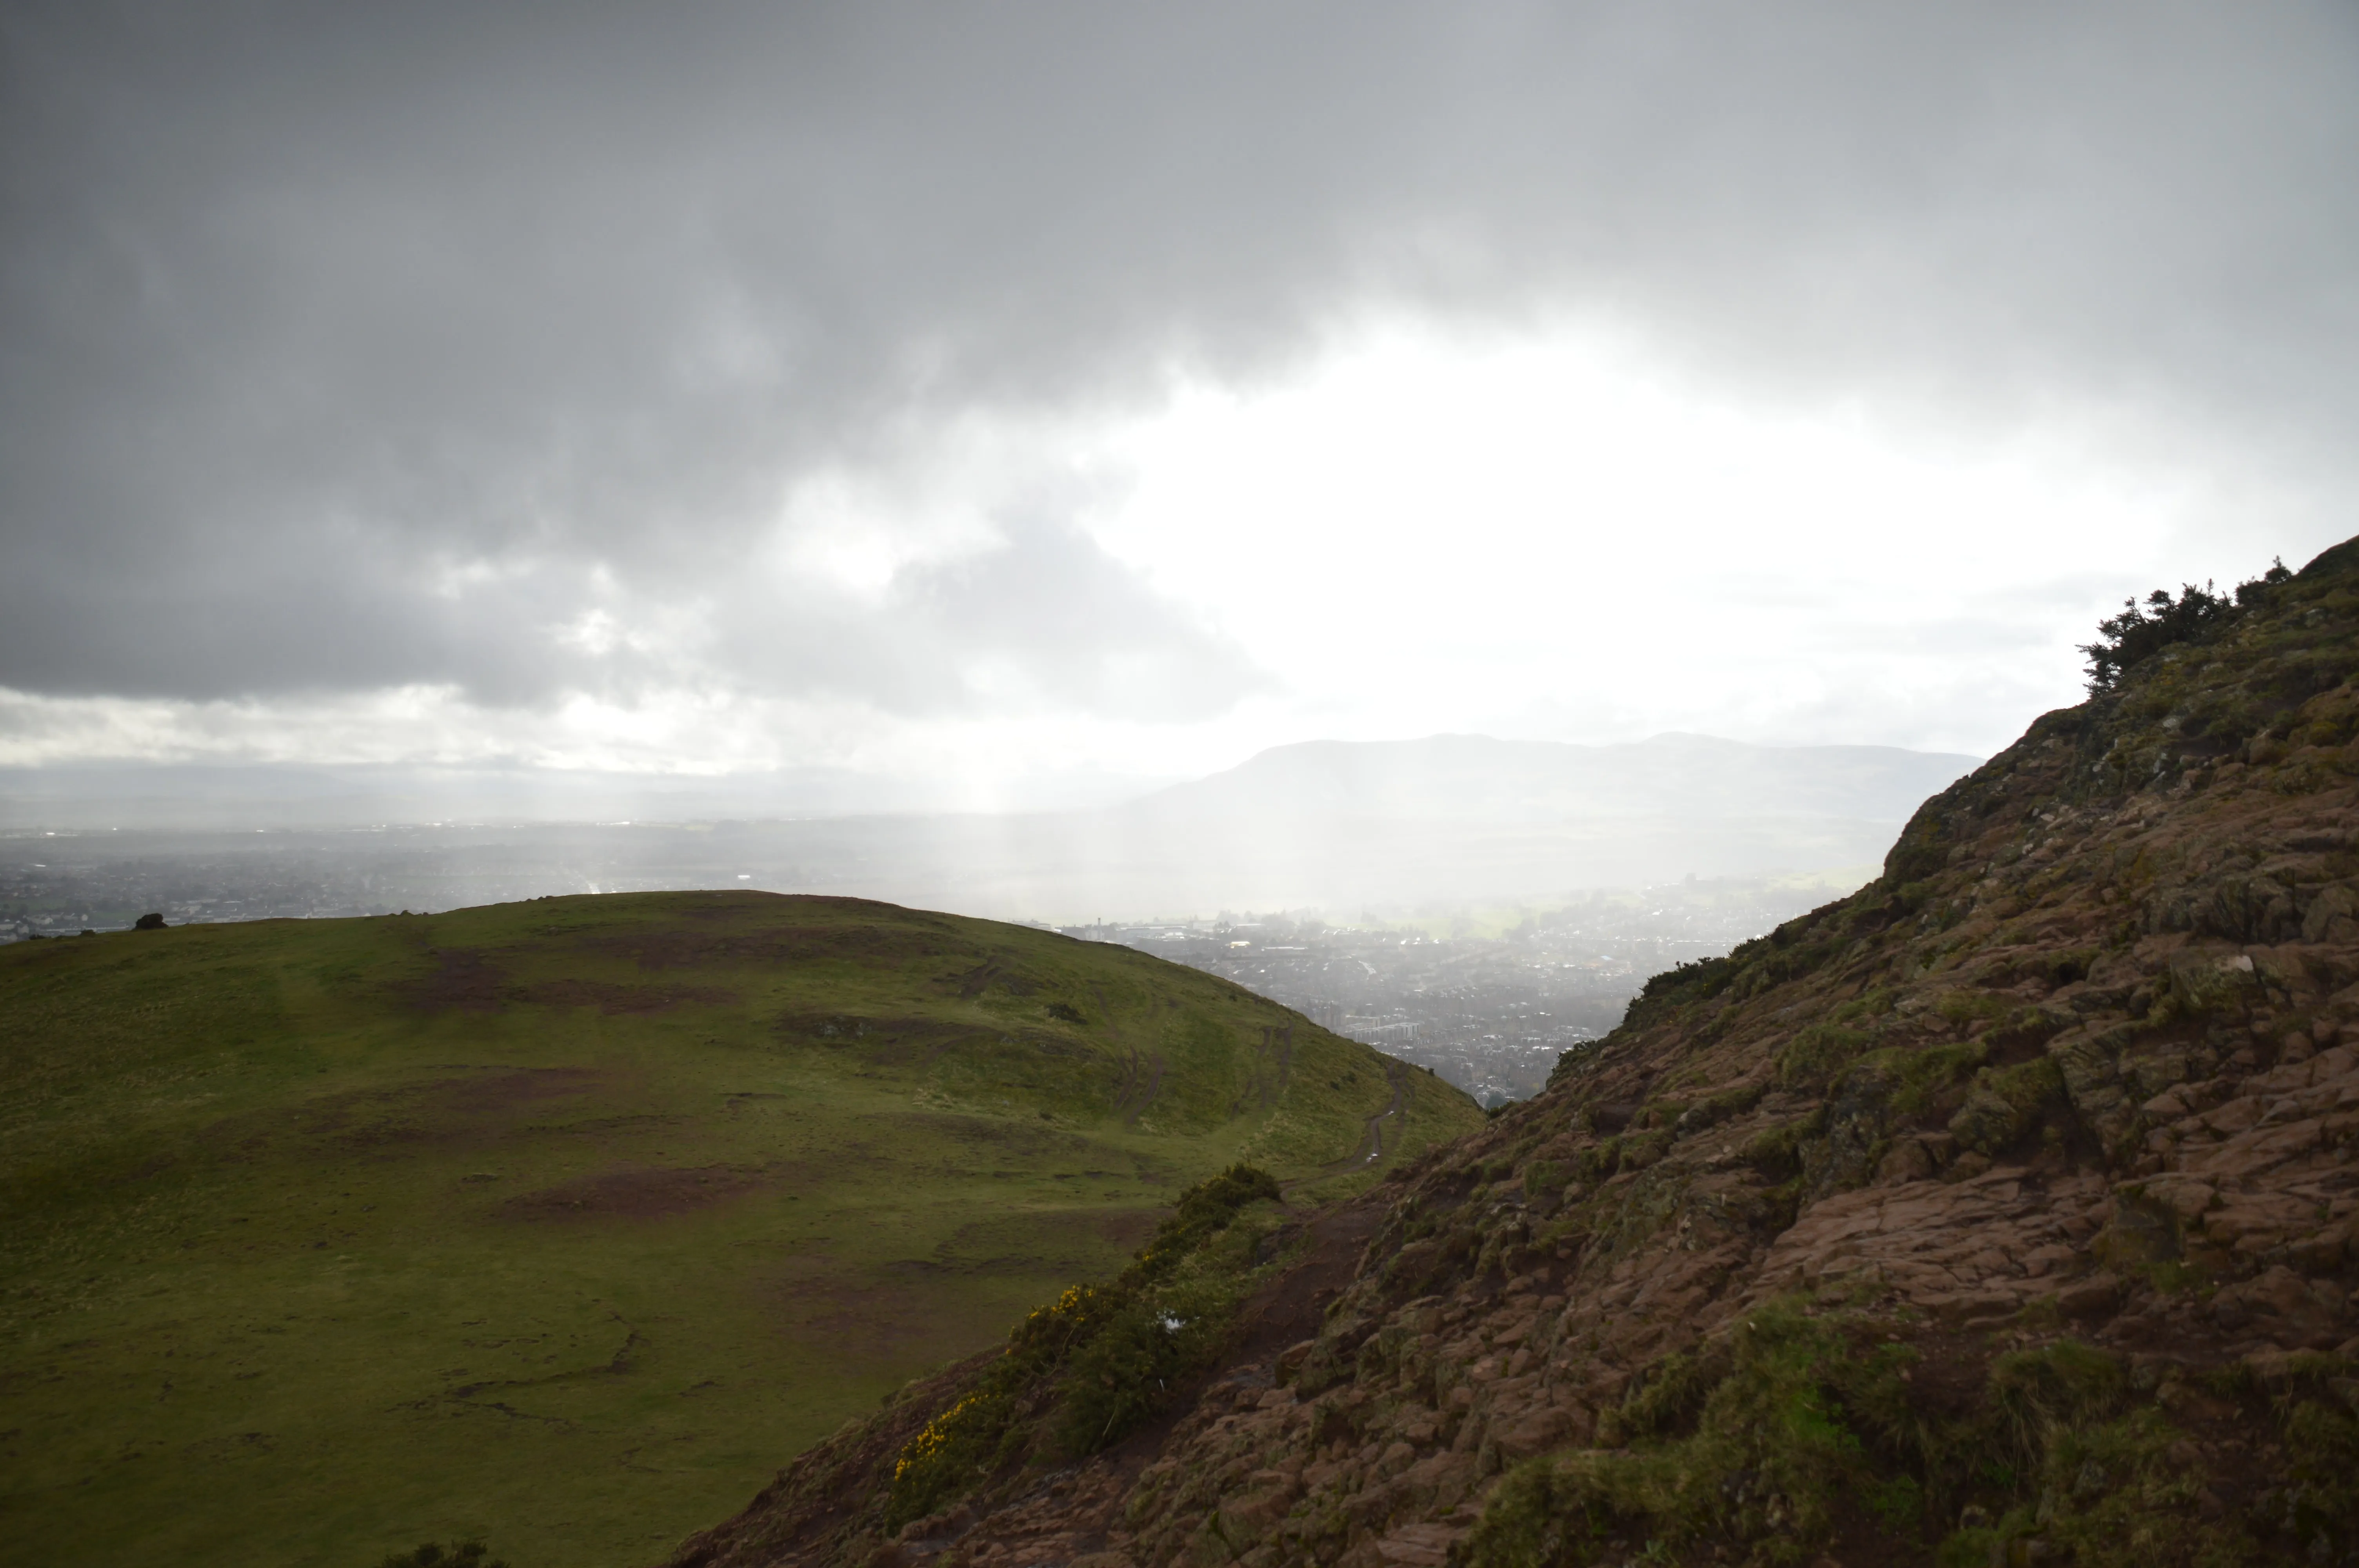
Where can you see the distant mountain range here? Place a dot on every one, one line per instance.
(1474, 778)
(1340, 825)
(1345, 826)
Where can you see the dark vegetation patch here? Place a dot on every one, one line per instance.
(905, 1036)
(1813, 1427)
(1129, 1228)
(1003, 1137)
(1052, 1245)
(464, 980)
(912, 1043)
(611, 998)
(477, 1110)
(2142, 630)
(644, 1194)
(1081, 1373)
(881, 1319)
(435, 1554)
(1002, 974)
(679, 948)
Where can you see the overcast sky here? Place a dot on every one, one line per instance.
(1006, 395)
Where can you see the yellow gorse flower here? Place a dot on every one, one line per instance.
(932, 1439)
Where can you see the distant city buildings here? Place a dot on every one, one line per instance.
(1491, 1014)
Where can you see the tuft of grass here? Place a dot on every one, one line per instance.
(1816, 1053)
(1776, 1150)
(1912, 1077)
(2055, 1387)
(1967, 1009)
(2007, 1102)
(1873, 1002)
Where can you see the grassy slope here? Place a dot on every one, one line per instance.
(562, 1221)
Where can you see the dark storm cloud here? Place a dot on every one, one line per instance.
(346, 346)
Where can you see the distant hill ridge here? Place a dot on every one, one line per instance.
(2003, 1212)
(1350, 826)
(1477, 777)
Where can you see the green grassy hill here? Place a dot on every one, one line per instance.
(562, 1222)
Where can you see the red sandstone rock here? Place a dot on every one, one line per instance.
(2082, 1067)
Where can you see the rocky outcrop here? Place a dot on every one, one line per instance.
(2003, 1211)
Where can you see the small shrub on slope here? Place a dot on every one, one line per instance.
(432, 1554)
(1088, 1368)
(1817, 1053)
(2140, 632)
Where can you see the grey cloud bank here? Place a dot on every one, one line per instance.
(499, 348)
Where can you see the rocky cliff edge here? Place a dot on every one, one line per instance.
(2002, 1212)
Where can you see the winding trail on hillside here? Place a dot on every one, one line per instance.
(1153, 1063)
(1371, 1147)
(1154, 1083)
(1397, 1072)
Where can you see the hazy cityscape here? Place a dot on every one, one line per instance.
(57, 883)
(1486, 999)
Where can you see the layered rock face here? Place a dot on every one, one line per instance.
(2002, 1212)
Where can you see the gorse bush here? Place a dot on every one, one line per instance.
(1089, 1367)
(1127, 1370)
(2142, 630)
(1203, 1209)
(432, 1554)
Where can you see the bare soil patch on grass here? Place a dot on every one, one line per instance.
(611, 998)
(906, 1043)
(879, 1321)
(475, 1111)
(677, 948)
(465, 979)
(1011, 1138)
(643, 1194)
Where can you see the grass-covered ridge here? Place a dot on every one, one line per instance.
(559, 1224)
